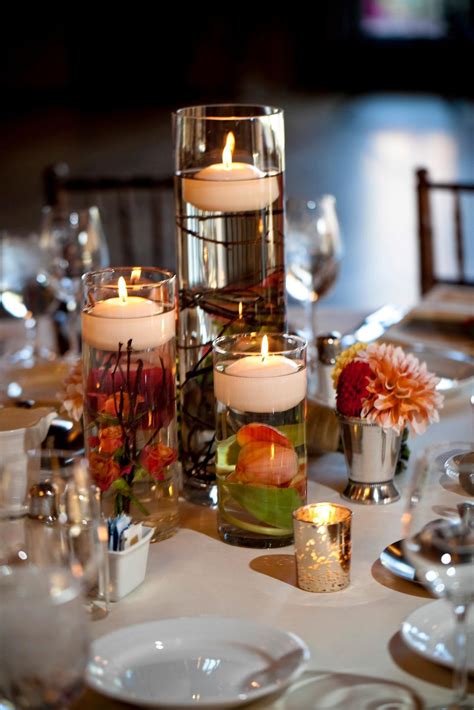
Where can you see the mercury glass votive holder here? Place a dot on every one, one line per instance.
(322, 533)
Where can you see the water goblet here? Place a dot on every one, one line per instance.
(313, 247)
(43, 637)
(438, 528)
(75, 513)
(75, 243)
(24, 295)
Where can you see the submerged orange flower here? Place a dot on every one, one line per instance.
(266, 463)
(400, 391)
(104, 470)
(110, 439)
(156, 457)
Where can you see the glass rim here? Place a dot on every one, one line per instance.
(345, 512)
(88, 279)
(251, 112)
(301, 343)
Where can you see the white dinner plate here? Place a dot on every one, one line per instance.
(198, 661)
(429, 631)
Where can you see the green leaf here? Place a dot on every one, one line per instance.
(269, 504)
(107, 419)
(140, 472)
(126, 491)
(294, 432)
(227, 453)
(121, 485)
(118, 453)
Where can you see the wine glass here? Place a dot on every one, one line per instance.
(74, 243)
(43, 637)
(313, 252)
(74, 510)
(24, 295)
(438, 529)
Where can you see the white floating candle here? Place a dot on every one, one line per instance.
(123, 318)
(261, 383)
(229, 186)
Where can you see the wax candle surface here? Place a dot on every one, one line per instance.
(256, 384)
(229, 186)
(116, 320)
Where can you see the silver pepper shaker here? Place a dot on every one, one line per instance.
(329, 347)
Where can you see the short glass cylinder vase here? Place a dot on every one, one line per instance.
(229, 167)
(129, 360)
(260, 391)
(371, 454)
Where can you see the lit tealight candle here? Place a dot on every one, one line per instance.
(261, 383)
(122, 318)
(322, 546)
(229, 186)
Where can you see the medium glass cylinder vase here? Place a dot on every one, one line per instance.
(129, 360)
(229, 163)
(260, 389)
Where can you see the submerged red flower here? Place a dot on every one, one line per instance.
(155, 458)
(352, 388)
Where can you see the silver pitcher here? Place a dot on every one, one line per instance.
(371, 457)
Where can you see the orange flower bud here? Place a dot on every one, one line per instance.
(266, 463)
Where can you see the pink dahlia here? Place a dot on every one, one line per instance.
(400, 391)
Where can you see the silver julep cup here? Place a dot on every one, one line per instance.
(371, 457)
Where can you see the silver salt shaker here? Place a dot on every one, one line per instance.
(329, 347)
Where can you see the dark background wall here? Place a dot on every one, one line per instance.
(116, 57)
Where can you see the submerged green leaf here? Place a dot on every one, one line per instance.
(268, 504)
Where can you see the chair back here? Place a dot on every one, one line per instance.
(430, 272)
(137, 212)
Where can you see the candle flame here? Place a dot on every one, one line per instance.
(241, 310)
(135, 275)
(122, 289)
(264, 348)
(228, 151)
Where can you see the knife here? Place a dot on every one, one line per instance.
(375, 325)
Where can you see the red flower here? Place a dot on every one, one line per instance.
(352, 388)
(110, 439)
(104, 470)
(155, 458)
(155, 388)
(93, 442)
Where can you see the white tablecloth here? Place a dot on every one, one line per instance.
(353, 634)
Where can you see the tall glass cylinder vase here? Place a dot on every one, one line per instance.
(129, 356)
(260, 389)
(229, 163)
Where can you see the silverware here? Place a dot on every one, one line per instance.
(393, 558)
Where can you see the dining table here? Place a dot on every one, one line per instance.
(358, 655)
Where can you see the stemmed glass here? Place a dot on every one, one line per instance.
(438, 529)
(43, 637)
(24, 293)
(74, 512)
(313, 251)
(75, 243)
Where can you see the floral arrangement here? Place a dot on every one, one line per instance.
(127, 407)
(384, 385)
(72, 394)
